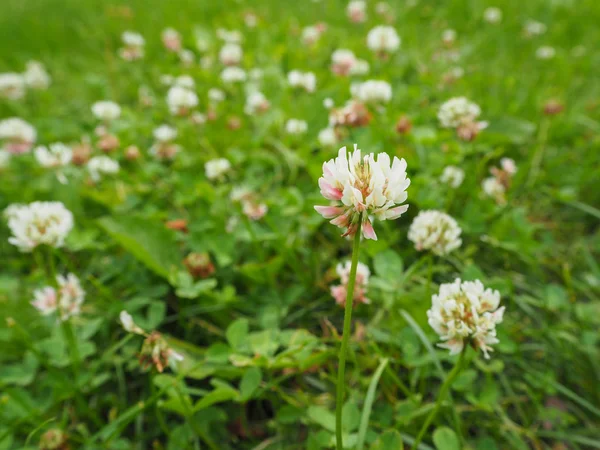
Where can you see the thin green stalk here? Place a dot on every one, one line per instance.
(429, 274)
(441, 395)
(344, 348)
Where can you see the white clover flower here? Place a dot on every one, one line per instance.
(55, 155)
(372, 91)
(134, 44)
(256, 103)
(128, 324)
(466, 313)
(362, 187)
(452, 176)
(545, 52)
(16, 135)
(186, 56)
(233, 75)
(328, 103)
(216, 95)
(164, 133)
(231, 36)
(360, 67)
(342, 61)
(311, 34)
(12, 86)
(492, 15)
(39, 223)
(534, 28)
(171, 39)
(4, 159)
(254, 211)
(106, 110)
(383, 39)
(185, 81)
(67, 300)
(492, 187)
(458, 111)
(435, 231)
(198, 118)
(35, 75)
(449, 36)
(357, 11)
(339, 292)
(181, 100)
(304, 80)
(231, 54)
(327, 137)
(216, 168)
(508, 165)
(296, 126)
(102, 165)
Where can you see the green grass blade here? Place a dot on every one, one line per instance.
(366, 412)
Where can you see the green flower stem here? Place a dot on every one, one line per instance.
(442, 394)
(343, 350)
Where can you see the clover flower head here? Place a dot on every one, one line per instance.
(216, 168)
(39, 223)
(435, 231)
(304, 80)
(55, 155)
(17, 135)
(492, 15)
(452, 176)
(340, 291)
(296, 127)
(231, 54)
(102, 165)
(106, 110)
(36, 76)
(181, 100)
(383, 39)
(466, 312)
(372, 91)
(12, 86)
(363, 188)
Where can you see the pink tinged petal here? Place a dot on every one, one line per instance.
(328, 191)
(396, 212)
(340, 221)
(329, 212)
(368, 231)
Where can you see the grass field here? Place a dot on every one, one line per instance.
(207, 300)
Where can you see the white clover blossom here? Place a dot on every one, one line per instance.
(102, 165)
(164, 133)
(449, 36)
(216, 168)
(106, 111)
(342, 61)
(534, 28)
(362, 188)
(458, 111)
(12, 86)
(304, 80)
(339, 292)
(16, 135)
(171, 39)
(231, 36)
(186, 56)
(357, 11)
(128, 324)
(216, 95)
(311, 34)
(296, 127)
(55, 155)
(233, 75)
(184, 81)
(383, 39)
(231, 54)
(492, 15)
(452, 176)
(35, 75)
(508, 165)
(466, 313)
(327, 137)
(181, 100)
(435, 231)
(39, 223)
(67, 299)
(256, 102)
(545, 52)
(134, 44)
(493, 188)
(328, 103)
(372, 91)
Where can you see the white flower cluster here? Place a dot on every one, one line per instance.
(216, 168)
(372, 91)
(497, 185)
(492, 15)
(55, 155)
(453, 176)
(17, 136)
(357, 11)
(339, 292)
(102, 165)
(231, 54)
(362, 187)
(383, 39)
(256, 103)
(435, 231)
(35, 75)
(457, 111)
(327, 137)
(344, 62)
(296, 127)
(12, 86)
(181, 99)
(466, 313)
(233, 75)
(67, 299)
(38, 223)
(133, 46)
(304, 80)
(106, 110)
(545, 52)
